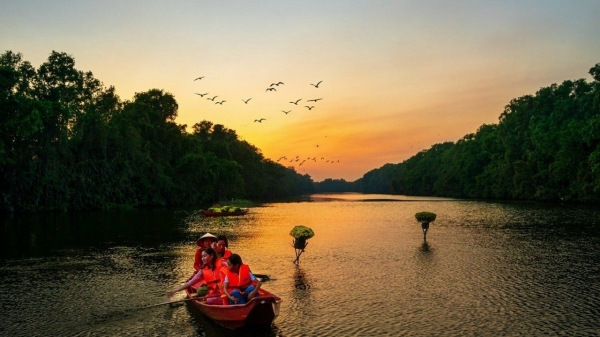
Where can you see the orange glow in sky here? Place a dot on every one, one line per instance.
(397, 76)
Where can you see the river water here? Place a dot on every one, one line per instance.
(486, 269)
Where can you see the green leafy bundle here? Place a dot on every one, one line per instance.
(225, 209)
(304, 232)
(425, 217)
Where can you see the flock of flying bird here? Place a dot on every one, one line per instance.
(272, 88)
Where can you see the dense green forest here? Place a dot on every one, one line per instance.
(545, 147)
(69, 142)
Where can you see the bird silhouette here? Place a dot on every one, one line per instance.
(314, 100)
(271, 89)
(201, 95)
(223, 101)
(199, 78)
(296, 102)
(316, 85)
(260, 120)
(309, 107)
(286, 112)
(246, 101)
(276, 84)
(212, 99)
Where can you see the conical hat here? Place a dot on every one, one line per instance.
(205, 236)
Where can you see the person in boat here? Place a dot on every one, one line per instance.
(239, 284)
(222, 249)
(208, 276)
(205, 241)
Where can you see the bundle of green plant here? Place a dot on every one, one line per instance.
(225, 209)
(299, 232)
(425, 217)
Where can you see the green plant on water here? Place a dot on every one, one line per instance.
(225, 209)
(425, 217)
(302, 232)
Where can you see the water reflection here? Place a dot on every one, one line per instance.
(300, 280)
(425, 247)
(485, 269)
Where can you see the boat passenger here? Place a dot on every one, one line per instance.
(204, 242)
(239, 284)
(208, 276)
(222, 248)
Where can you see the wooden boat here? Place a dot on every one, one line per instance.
(211, 213)
(261, 310)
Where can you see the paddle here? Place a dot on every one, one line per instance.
(262, 277)
(171, 302)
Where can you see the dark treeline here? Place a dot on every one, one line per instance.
(335, 185)
(545, 147)
(68, 142)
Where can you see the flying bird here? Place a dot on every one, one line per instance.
(199, 78)
(260, 120)
(316, 85)
(223, 101)
(212, 99)
(314, 100)
(276, 84)
(286, 112)
(309, 107)
(296, 102)
(201, 95)
(271, 89)
(246, 101)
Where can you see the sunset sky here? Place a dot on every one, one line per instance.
(397, 76)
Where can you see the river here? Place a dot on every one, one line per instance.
(486, 269)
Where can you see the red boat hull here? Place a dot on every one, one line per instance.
(261, 310)
(210, 213)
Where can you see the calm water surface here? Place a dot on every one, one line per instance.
(486, 269)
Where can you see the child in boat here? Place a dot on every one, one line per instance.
(204, 242)
(239, 284)
(221, 247)
(208, 275)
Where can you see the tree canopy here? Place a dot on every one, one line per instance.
(545, 147)
(69, 142)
